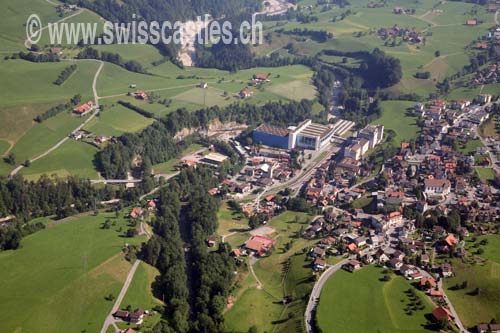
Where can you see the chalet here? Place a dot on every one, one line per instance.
(318, 252)
(398, 255)
(261, 78)
(395, 263)
(260, 245)
(367, 259)
(244, 93)
(360, 241)
(427, 282)
(136, 212)
(488, 328)
(441, 313)
(141, 94)
(381, 256)
(136, 317)
(83, 109)
(352, 265)
(352, 248)
(319, 264)
(211, 241)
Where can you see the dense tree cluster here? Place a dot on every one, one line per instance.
(65, 74)
(381, 70)
(195, 286)
(320, 36)
(59, 108)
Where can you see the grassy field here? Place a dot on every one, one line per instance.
(58, 280)
(479, 273)
(116, 120)
(394, 117)
(360, 302)
(485, 173)
(229, 221)
(470, 146)
(72, 158)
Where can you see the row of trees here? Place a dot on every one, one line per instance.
(55, 110)
(65, 74)
(115, 58)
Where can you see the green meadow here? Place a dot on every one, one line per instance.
(58, 280)
(360, 302)
(72, 158)
(394, 117)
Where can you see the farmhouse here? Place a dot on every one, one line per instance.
(441, 313)
(259, 245)
(83, 109)
(244, 93)
(319, 264)
(141, 94)
(136, 212)
(261, 78)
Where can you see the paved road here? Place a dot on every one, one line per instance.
(316, 292)
(110, 320)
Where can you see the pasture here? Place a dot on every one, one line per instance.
(395, 117)
(57, 280)
(360, 302)
(72, 158)
(116, 120)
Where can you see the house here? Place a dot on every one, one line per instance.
(244, 93)
(393, 218)
(141, 94)
(395, 263)
(136, 317)
(121, 314)
(434, 186)
(360, 241)
(352, 248)
(211, 241)
(488, 328)
(352, 265)
(398, 255)
(203, 85)
(367, 259)
(151, 204)
(471, 22)
(446, 270)
(381, 256)
(56, 50)
(260, 245)
(136, 212)
(261, 77)
(450, 240)
(319, 264)
(318, 252)
(100, 139)
(441, 313)
(435, 293)
(83, 109)
(427, 282)
(424, 259)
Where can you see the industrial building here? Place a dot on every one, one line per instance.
(306, 135)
